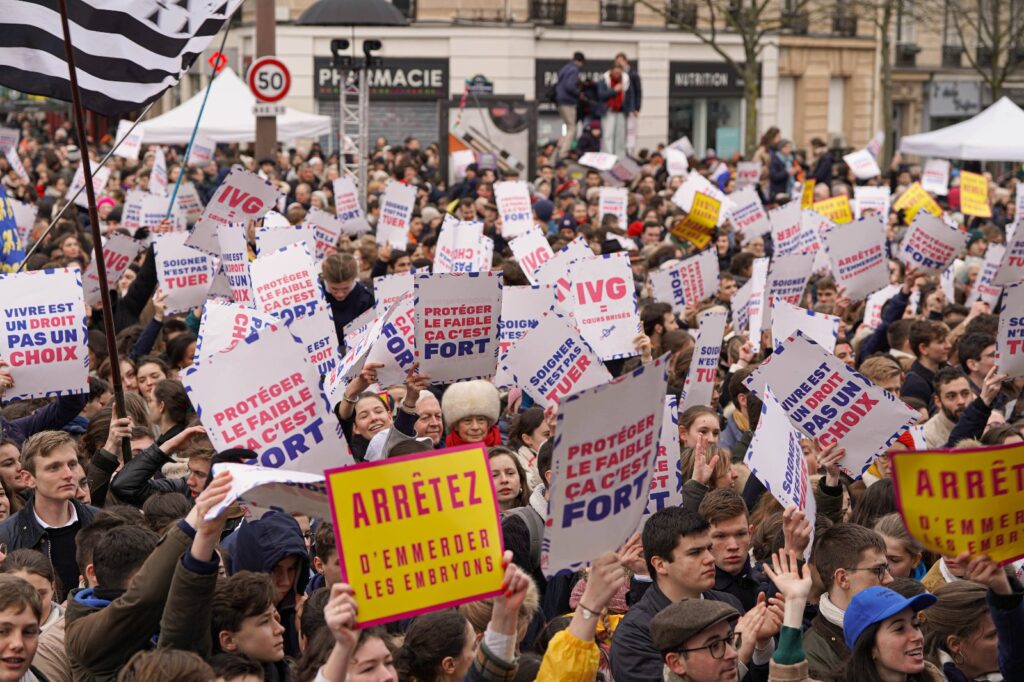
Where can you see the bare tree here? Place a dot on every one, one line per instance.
(991, 34)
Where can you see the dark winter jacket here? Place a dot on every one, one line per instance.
(135, 483)
(22, 531)
(355, 304)
(971, 423)
(52, 417)
(567, 89)
(918, 384)
(633, 97)
(1008, 617)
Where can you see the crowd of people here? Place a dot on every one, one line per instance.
(112, 571)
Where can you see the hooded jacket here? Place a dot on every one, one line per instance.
(51, 417)
(260, 546)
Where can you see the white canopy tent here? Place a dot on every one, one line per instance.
(992, 135)
(228, 117)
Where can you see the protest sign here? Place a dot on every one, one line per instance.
(684, 145)
(347, 208)
(974, 195)
(812, 226)
(395, 347)
(457, 325)
(875, 145)
(531, 250)
(357, 327)
(1010, 338)
(485, 254)
(158, 173)
(24, 216)
(686, 283)
(552, 362)
(700, 378)
(458, 246)
(521, 310)
(15, 163)
(874, 304)
(387, 290)
(220, 289)
(285, 283)
(130, 140)
(786, 478)
(202, 150)
(689, 230)
(676, 162)
(241, 197)
(294, 492)
(12, 246)
(189, 205)
(153, 209)
(963, 501)
(396, 206)
(326, 231)
(935, 176)
(613, 200)
(555, 270)
(271, 239)
(914, 200)
(985, 289)
(118, 253)
(697, 184)
(863, 164)
(604, 454)
(871, 199)
(946, 280)
(185, 274)
(836, 209)
(930, 244)
(599, 160)
(513, 201)
(274, 219)
(755, 309)
(604, 306)
(787, 279)
(9, 137)
(278, 411)
(785, 227)
(807, 193)
(748, 214)
(99, 182)
(858, 257)
(667, 479)
(1011, 267)
(831, 403)
(45, 334)
(406, 551)
(337, 378)
(234, 255)
(704, 210)
(224, 324)
(819, 327)
(748, 174)
(461, 158)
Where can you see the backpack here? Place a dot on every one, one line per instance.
(534, 525)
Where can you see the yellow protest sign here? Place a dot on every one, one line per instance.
(704, 211)
(964, 500)
(836, 209)
(974, 195)
(691, 231)
(807, 194)
(914, 199)
(417, 533)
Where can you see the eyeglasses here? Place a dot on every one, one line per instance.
(879, 571)
(717, 647)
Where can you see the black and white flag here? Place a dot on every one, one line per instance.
(127, 51)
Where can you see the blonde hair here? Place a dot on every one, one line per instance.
(42, 444)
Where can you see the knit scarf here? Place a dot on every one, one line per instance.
(830, 611)
(492, 438)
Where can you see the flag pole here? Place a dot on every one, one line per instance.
(94, 225)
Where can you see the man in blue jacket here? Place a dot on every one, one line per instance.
(567, 97)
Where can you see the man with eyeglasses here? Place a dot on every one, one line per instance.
(698, 641)
(849, 559)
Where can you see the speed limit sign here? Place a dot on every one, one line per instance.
(269, 79)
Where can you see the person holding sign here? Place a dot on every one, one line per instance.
(363, 414)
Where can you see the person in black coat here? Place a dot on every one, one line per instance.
(822, 173)
(347, 297)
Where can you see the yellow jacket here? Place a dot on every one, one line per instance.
(570, 659)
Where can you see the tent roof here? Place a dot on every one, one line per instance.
(992, 135)
(228, 117)
(352, 13)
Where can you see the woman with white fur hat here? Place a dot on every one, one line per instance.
(471, 410)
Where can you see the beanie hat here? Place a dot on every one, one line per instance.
(470, 399)
(543, 208)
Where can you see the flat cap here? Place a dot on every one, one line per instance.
(677, 623)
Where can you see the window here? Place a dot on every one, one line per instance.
(786, 106)
(836, 105)
(618, 12)
(905, 29)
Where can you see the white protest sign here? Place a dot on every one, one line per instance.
(871, 199)
(874, 304)
(599, 160)
(131, 140)
(153, 210)
(553, 362)
(457, 325)
(185, 274)
(389, 289)
(326, 231)
(695, 182)
(396, 206)
(748, 214)
(338, 377)
(985, 289)
(347, 208)
(555, 270)
(831, 403)
(189, 204)
(531, 250)
(1010, 339)
(395, 348)
(203, 148)
(9, 137)
(285, 283)
(748, 174)
(819, 327)
(756, 307)
(485, 254)
(234, 254)
(220, 289)
(225, 324)
(45, 333)
(930, 244)
(935, 177)
(458, 246)
(613, 200)
(241, 197)
(858, 257)
(787, 279)
(521, 310)
(273, 219)
(786, 478)
(1019, 202)
(158, 173)
(295, 492)
(687, 282)
(602, 466)
(707, 349)
(271, 239)
(461, 159)
(786, 226)
(318, 334)
(683, 144)
(675, 162)
(666, 479)
(946, 281)
(24, 216)
(604, 306)
(118, 253)
(355, 329)
(863, 164)
(812, 226)
(1011, 267)
(15, 162)
(278, 411)
(513, 201)
(99, 182)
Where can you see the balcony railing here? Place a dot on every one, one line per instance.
(796, 22)
(952, 56)
(983, 55)
(548, 11)
(844, 25)
(680, 13)
(406, 7)
(618, 13)
(906, 55)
